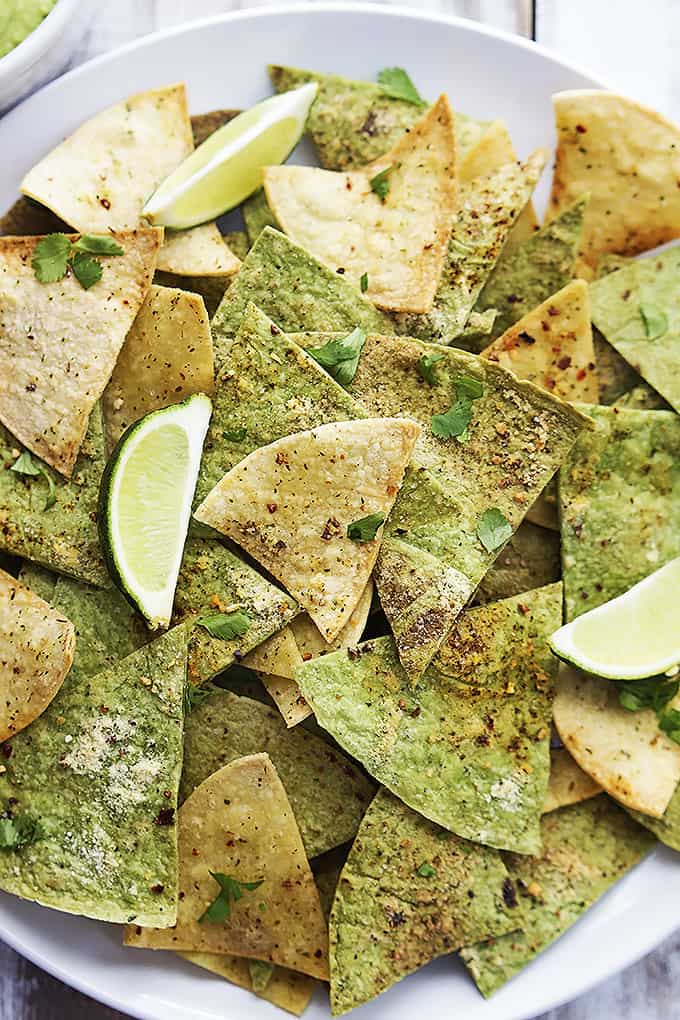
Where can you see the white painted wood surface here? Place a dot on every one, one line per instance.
(630, 44)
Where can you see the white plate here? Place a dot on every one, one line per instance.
(488, 74)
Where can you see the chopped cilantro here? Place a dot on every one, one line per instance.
(469, 387)
(653, 693)
(18, 832)
(425, 870)
(234, 435)
(51, 257)
(225, 626)
(55, 254)
(380, 183)
(231, 890)
(396, 83)
(86, 270)
(340, 358)
(426, 365)
(365, 529)
(363, 282)
(454, 423)
(25, 465)
(655, 320)
(669, 723)
(98, 244)
(493, 529)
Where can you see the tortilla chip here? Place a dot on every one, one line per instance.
(586, 848)
(285, 988)
(484, 774)
(62, 537)
(200, 251)
(279, 655)
(257, 215)
(619, 495)
(528, 275)
(41, 581)
(622, 303)
(328, 794)
(627, 157)
(25, 218)
(531, 559)
(410, 892)
(241, 822)
(667, 828)
(238, 242)
(399, 241)
(568, 783)
(210, 288)
(167, 356)
(36, 652)
(625, 752)
(205, 124)
(290, 505)
(98, 772)
(487, 209)
(642, 398)
(287, 696)
(614, 374)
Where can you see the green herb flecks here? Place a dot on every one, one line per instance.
(366, 528)
(654, 693)
(425, 870)
(454, 423)
(363, 282)
(340, 358)
(194, 694)
(655, 320)
(226, 626)
(18, 832)
(493, 529)
(56, 254)
(380, 184)
(396, 83)
(426, 365)
(25, 465)
(231, 890)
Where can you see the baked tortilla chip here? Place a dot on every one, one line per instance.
(167, 356)
(531, 559)
(619, 495)
(242, 825)
(526, 276)
(625, 752)
(287, 696)
(628, 158)
(310, 640)
(41, 581)
(51, 377)
(468, 746)
(327, 792)
(93, 781)
(667, 828)
(568, 783)
(291, 505)
(36, 652)
(586, 848)
(25, 218)
(637, 310)
(487, 209)
(210, 288)
(410, 892)
(279, 655)
(285, 988)
(99, 178)
(398, 239)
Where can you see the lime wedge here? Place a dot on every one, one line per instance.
(145, 504)
(634, 636)
(227, 167)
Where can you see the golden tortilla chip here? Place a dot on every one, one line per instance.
(59, 342)
(166, 357)
(37, 644)
(628, 158)
(290, 504)
(625, 752)
(288, 698)
(99, 178)
(285, 988)
(239, 824)
(568, 783)
(279, 655)
(399, 241)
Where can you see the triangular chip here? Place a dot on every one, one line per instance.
(586, 848)
(285, 988)
(257, 215)
(40, 580)
(468, 746)
(239, 824)
(310, 640)
(568, 783)
(410, 892)
(531, 559)
(619, 495)
(637, 310)
(99, 178)
(667, 828)
(210, 288)
(52, 376)
(167, 356)
(628, 158)
(287, 697)
(487, 209)
(91, 786)
(292, 504)
(36, 652)
(625, 752)
(395, 236)
(327, 792)
(528, 275)
(26, 217)
(278, 655)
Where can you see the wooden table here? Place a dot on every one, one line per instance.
(632, 47)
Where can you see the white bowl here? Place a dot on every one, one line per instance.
(45, 52)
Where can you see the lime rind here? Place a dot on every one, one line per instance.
(632, 637)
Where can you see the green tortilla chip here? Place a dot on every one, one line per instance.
(531, 559)
(642, 398)
(638, 312)
(468, 746)
(257, 215)
(205, 124)
(238, 242)
(95, 780)
(619, 495)
(210, 288)
(410, 892)
(586, 848)
(528, 275)
(614, 375)
(38, 579)
(63, 536)
(667, 828)
(327, 792)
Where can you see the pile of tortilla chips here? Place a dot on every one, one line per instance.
(438, 428)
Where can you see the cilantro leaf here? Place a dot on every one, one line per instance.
(397, 84)
(655, 320)
(25, 465)
(653, 693)
(493, 529)
(365, 529)
(234, 435)
(426, 365)
(454, 423)
(469, 387)
(669, 723)
(260, 974)
(231, 890)
(225, 626)
(380, 183)
(363, 282)
(51, 258)
(425, 870)
(86, 270)
(340, 358)
(98, 244)
(18, 832)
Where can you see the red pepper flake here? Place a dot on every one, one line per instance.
(272, 507)
(581, 374)
(527, 337)
(281, 457)
(564, 362)
(274, 330)
(581, 129)
(340, 271)
(158, 888)
(105, 202)
(553, 311)
(523, 608)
